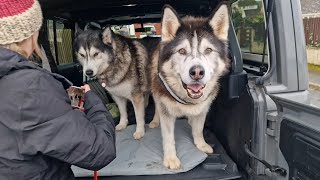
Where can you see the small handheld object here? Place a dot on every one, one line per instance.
(76, 95)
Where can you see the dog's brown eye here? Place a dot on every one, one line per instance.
(182, 51)
(208, 50)
(82, 55)
(95, 54)
(109, 44)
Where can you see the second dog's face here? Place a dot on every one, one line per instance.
(193, 50)
(92, 53)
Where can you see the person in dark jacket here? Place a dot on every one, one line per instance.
(41, 135)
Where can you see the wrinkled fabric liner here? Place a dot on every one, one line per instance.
(145, 156)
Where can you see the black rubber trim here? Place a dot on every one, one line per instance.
(301, 148)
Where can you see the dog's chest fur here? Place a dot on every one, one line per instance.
(124, 89)
(177, 109)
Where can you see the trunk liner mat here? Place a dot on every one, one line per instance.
(144, 156)
(218, 166)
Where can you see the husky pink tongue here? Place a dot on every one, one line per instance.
(195, 87)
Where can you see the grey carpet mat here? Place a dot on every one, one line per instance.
(144, 157)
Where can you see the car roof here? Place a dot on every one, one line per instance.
(113, 11)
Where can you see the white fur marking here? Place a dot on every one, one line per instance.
(195, 44)
(184, 44)
(96, 63)
(204, 44)
(123, 89)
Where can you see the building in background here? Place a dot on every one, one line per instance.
(310, 8)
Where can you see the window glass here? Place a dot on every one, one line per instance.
(64, 42)
(138, 30)
(311, 21)
(249, 23)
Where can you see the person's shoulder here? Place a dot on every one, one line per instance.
(37, 79)
(33, 75)
(24, 77)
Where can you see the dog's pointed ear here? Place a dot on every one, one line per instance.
(219, 22)
(78, 30)
(107, 35)
(170, 23)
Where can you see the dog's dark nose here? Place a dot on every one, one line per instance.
(89, 72)
(196, 72)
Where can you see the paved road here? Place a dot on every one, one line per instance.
(314, 95)
(314, 78)
(315, 98)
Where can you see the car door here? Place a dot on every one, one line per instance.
(299, 138)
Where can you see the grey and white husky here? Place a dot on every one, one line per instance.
(120, 65)
(186, 67)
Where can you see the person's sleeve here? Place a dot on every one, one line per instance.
(51, 127)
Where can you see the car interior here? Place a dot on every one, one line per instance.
(229, 124)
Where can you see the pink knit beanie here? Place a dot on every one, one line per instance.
(19, 19)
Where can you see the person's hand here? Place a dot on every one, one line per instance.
(86, 88)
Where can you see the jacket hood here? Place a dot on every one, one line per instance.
(11, 61)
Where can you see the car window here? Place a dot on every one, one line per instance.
(311, 22)
(249, 23)
(62, 51)
(138, 30)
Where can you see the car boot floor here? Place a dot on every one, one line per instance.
(217, 166)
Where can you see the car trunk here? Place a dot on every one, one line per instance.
(229, 122)
(227, 129)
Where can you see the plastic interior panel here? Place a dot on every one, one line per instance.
(301, 149)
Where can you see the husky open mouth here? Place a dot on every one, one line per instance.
(194, 90)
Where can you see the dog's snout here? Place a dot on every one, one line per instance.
(89, 72)
(196, 72)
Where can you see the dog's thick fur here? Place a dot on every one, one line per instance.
(120, 64)
(185, 44)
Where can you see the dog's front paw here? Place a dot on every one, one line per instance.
(119, 127)
(204, 147)
(172, 163)
(138, 135)
(154, 124)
